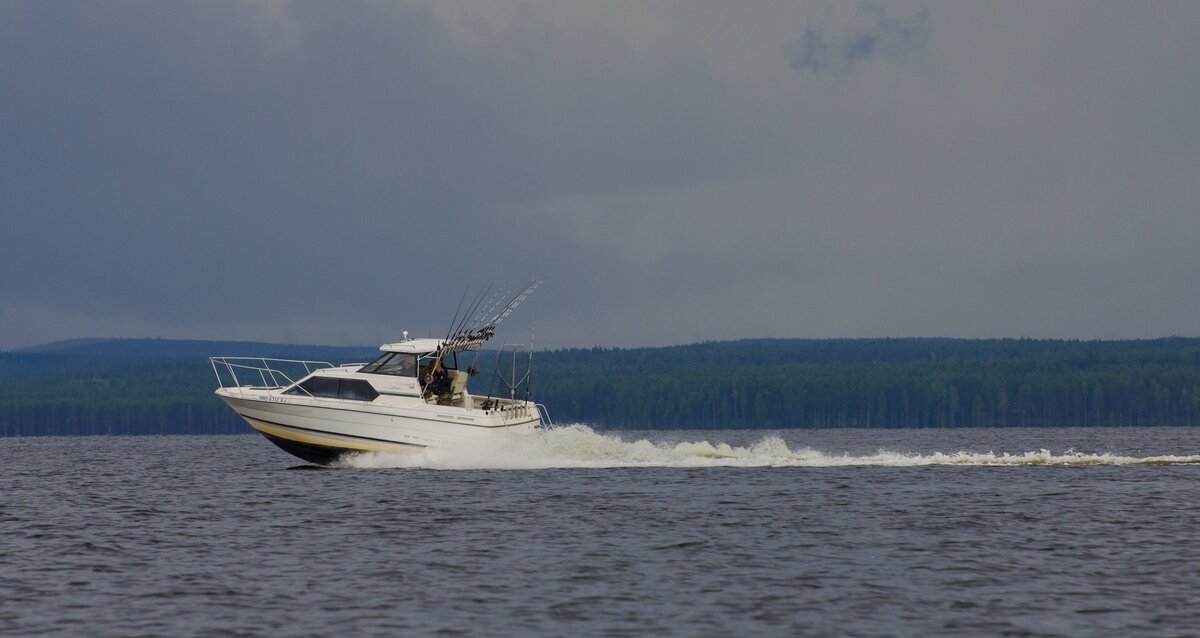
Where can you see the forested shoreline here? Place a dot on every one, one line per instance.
(165, 387)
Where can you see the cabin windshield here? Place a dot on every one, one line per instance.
(394, 363)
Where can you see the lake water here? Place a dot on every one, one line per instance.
(1047, 532)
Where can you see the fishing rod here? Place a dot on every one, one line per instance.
(473, 327)
(478, 320)
(490, 327)
(457, 331)
(455, 335)
(456, 310)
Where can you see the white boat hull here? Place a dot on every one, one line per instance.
(322, 430)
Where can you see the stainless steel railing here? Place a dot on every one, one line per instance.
(270, 372)
(544, 413)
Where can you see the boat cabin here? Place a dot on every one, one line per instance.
(418, 358)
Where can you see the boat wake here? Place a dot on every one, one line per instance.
(578, 446)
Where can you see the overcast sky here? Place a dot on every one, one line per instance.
(336, 173)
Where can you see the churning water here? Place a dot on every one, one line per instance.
(581, 447)
(833, 532)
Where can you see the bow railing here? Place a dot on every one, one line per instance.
(270, 373)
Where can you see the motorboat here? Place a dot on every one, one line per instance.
(412, 397)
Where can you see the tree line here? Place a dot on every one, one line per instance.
(741, 384)
(878, 383)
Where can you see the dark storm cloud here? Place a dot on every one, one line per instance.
(187, 159)
(890, 37)
(337, 172)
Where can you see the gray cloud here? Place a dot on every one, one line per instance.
(336, 173)
(818, 51)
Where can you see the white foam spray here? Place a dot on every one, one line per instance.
(578, 446)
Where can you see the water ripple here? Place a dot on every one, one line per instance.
(803, 533)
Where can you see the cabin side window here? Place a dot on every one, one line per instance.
(327, 388)
(323, 387)
(356, 390)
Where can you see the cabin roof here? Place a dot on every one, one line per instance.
(412, 346)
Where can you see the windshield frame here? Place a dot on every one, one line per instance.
(392, 364)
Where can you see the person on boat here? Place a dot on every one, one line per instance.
(438, 382)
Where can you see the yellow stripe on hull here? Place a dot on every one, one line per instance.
(321, 439)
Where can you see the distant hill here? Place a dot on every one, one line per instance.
(181, 348)
(60, 346)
